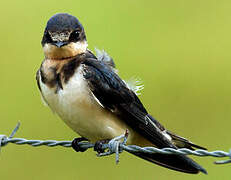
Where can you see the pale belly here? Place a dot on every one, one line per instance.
(78, 108)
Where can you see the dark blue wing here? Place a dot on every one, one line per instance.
(115, 96)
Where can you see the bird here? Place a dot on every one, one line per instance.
(86, 92)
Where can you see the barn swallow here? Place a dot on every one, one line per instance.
(89, 96)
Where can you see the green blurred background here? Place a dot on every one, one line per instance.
(181, 51)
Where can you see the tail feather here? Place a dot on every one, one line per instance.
(181, 142)
(180, 163)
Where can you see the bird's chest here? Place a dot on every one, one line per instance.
(72, 101)
(77, 106)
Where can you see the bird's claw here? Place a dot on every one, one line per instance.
(99, 146)
(76, 146)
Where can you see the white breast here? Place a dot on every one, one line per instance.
(77, 106)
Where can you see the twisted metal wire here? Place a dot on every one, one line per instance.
(116, 145)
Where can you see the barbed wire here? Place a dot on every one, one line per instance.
(116, 145)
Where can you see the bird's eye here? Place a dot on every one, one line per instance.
(48, 37)
(74, 36)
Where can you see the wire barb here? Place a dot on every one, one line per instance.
(116, 145)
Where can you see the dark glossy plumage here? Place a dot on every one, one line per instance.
(64, 22)
(65, 35)
(114, 95)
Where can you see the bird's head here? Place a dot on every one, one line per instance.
(64, 37)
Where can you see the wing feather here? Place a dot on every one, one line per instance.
(115, 96)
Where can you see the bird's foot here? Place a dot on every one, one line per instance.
(99, 146)
(76, 146)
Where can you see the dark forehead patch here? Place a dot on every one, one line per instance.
(63, 22)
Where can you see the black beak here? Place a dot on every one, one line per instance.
(60, 43)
